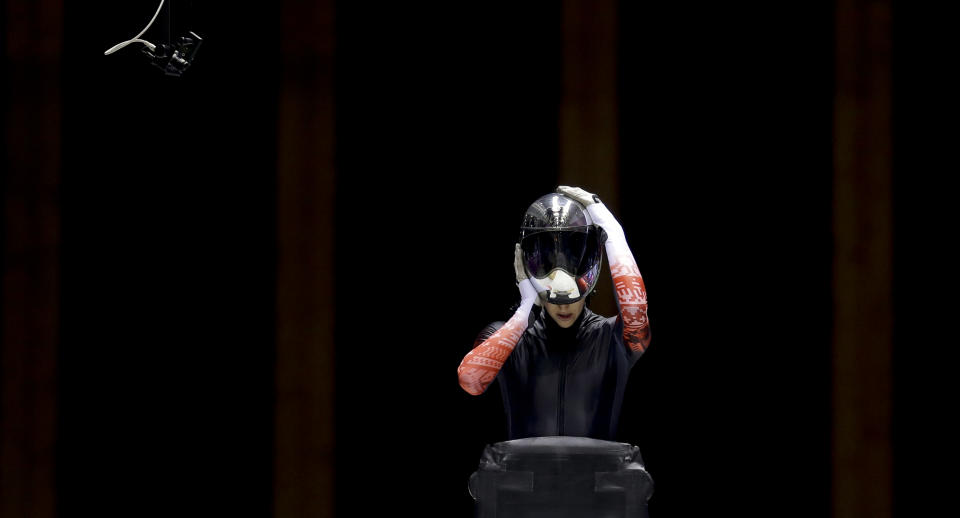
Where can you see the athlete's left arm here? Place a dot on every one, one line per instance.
(627, 282)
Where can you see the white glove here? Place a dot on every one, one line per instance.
(585, 198)
(527, 290)
(599, 213)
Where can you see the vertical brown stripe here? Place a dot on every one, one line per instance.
(31, 247)
(305, 185)
(862, 278)
(588, 110)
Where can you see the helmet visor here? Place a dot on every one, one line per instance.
(564, 263)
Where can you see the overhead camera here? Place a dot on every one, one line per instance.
(173, 57)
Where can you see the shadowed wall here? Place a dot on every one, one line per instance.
(247, 290)
(31, 239)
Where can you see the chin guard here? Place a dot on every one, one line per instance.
(559, 287)
(175, 59)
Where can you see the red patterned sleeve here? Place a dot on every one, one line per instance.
(627, 282)
(631, 297)
(481, 365)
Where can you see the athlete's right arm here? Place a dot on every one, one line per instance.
(481, 365)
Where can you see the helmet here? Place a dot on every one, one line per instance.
(561, 249)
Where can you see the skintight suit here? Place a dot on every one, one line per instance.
(571, 381)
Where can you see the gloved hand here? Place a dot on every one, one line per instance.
(585, 198)
(527, 290)
(601, 216)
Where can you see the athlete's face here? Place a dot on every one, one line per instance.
(565, 314)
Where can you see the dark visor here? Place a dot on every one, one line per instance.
(544, 252)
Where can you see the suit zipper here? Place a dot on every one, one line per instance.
(560, 398)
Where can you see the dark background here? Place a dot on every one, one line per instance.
(445, 130)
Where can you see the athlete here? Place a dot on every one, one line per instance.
(563, 369)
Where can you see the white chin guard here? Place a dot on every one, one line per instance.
(560, 283)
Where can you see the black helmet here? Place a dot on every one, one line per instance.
(561, 249)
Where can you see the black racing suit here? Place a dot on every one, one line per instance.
(565, 381)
